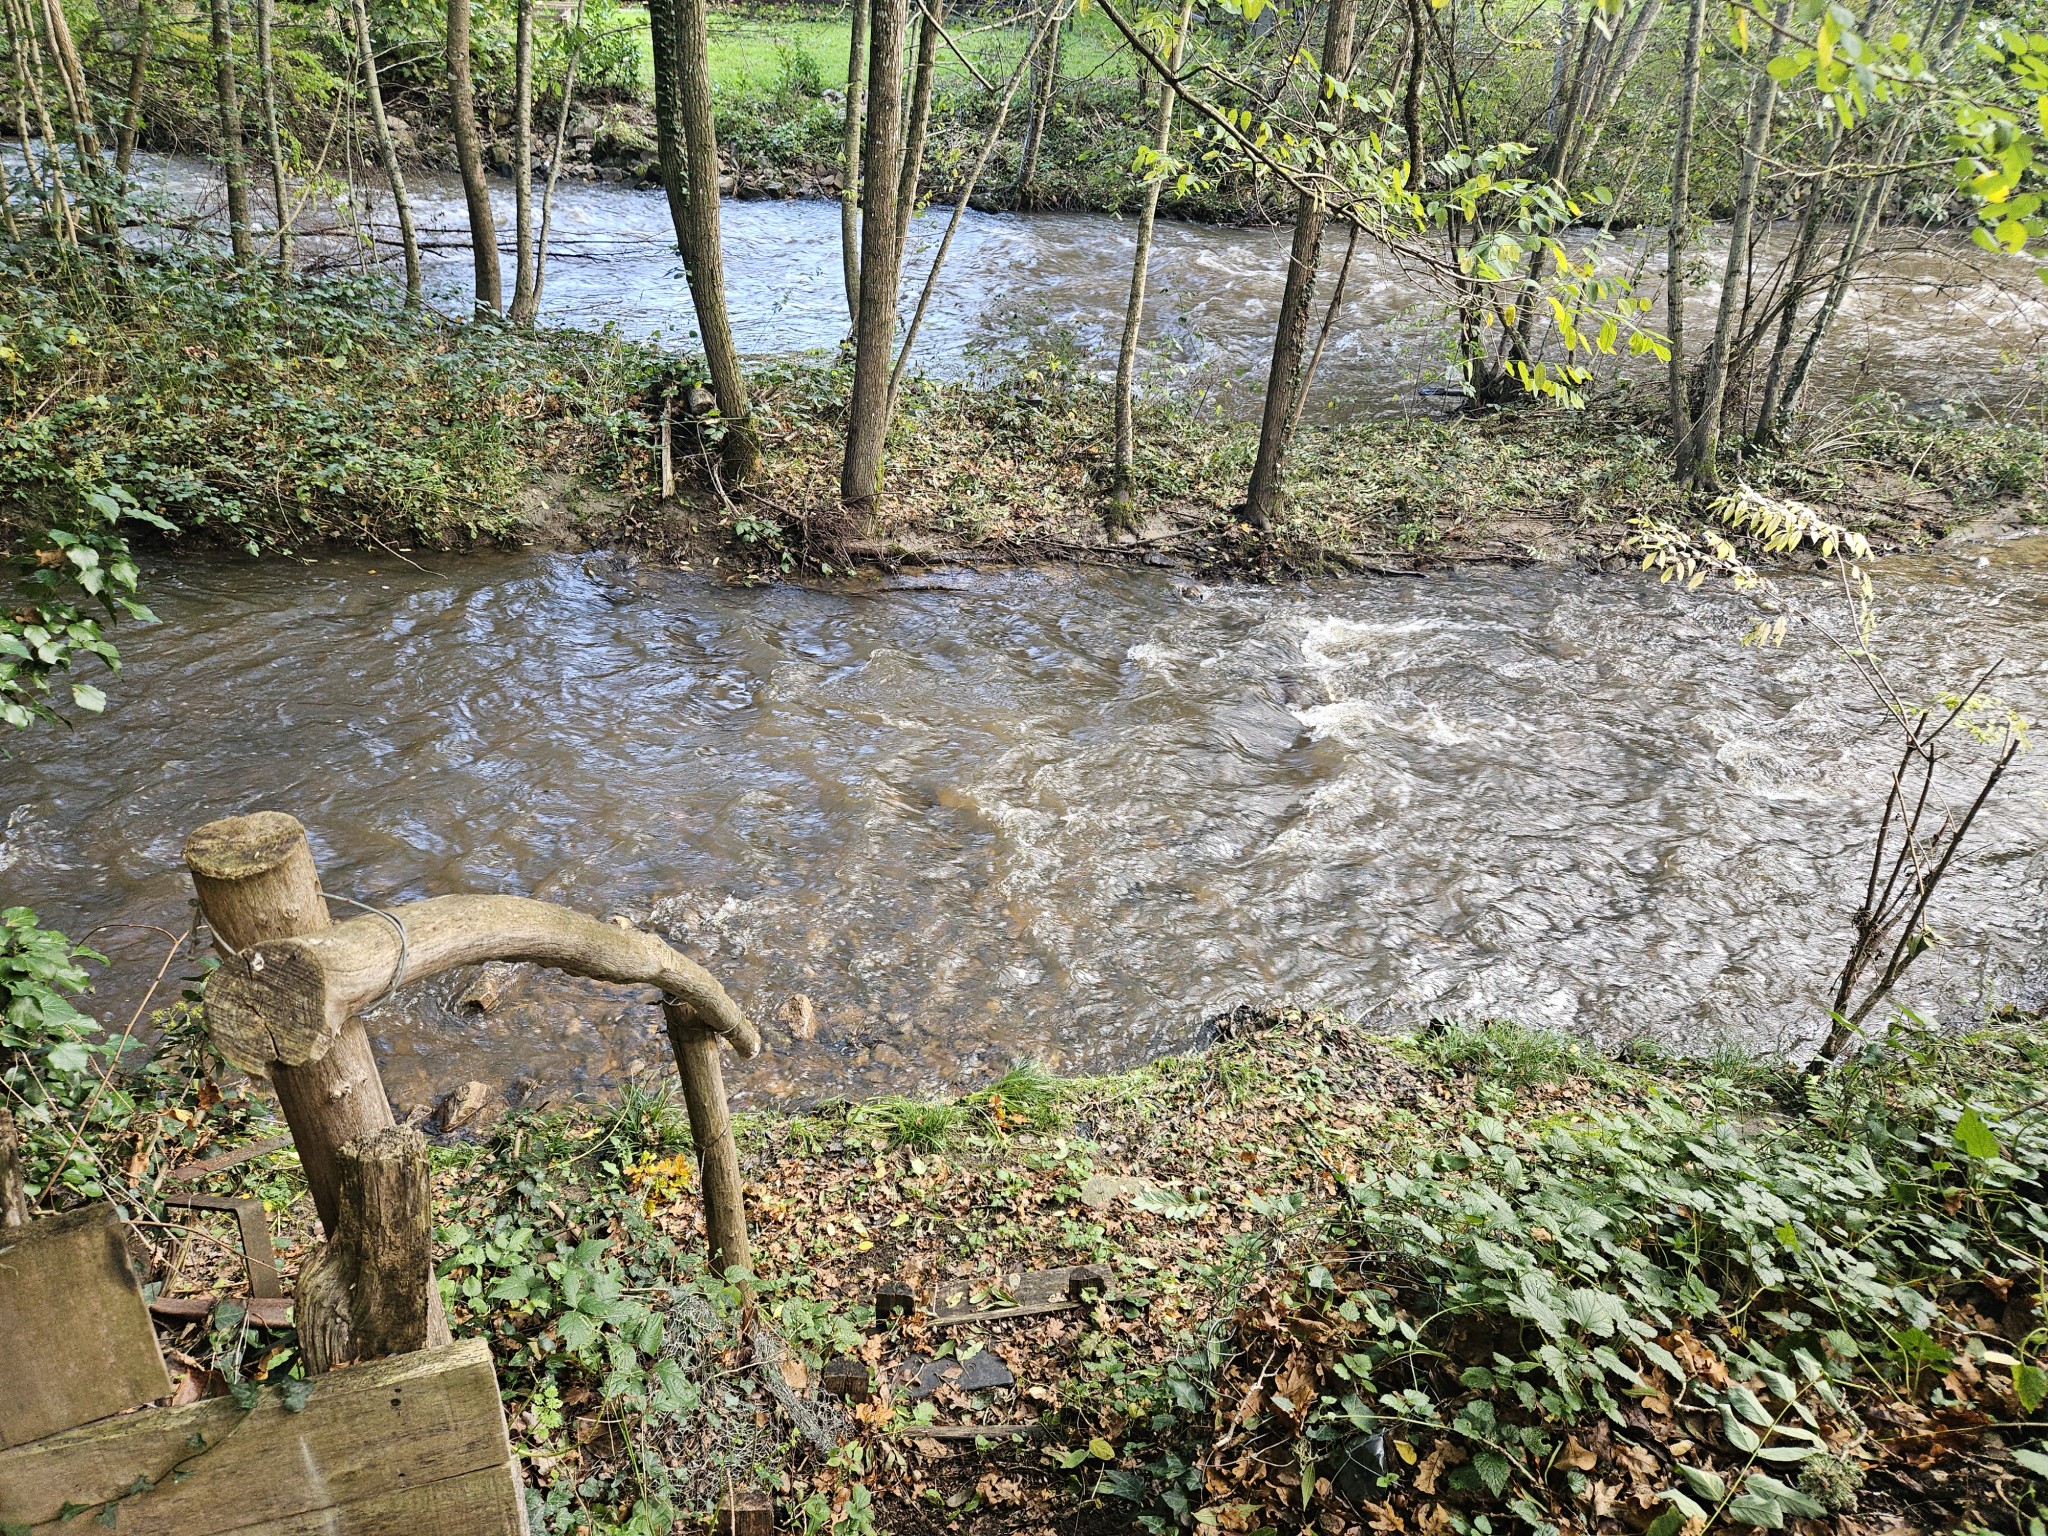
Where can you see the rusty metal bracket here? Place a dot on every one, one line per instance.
(257, 1253)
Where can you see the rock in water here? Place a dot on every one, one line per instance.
(801, 1015)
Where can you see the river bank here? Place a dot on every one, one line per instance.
(1357, 1282)
(281, 418)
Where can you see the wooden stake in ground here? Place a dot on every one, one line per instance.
(256, 882)
(370, 1292)
(718, 1163)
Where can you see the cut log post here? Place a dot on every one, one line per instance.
(718, 1161)
(257, 884)
(370, 1292)
(13, 1193)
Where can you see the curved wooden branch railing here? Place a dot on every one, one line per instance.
(287, 1000)
(284, 1004)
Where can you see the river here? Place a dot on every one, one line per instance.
(1932, 319)
(1066, 814)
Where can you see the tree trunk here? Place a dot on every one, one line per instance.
(703, 253)
(1763, 106)
(1411, 97)
(1677, 236)
(1283, 380)
(668, 118)
(988, 144)
(469, 158)
(1123, 480)
(920, 120)
(25, 49)
(227, 105)
(874, 338)
(387, 152)
(273, 141)
(547, 197)
(849, 154)
(1805, 244)
(139, 47)
(1045, 82)
(522, 165)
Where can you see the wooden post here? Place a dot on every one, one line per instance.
(256, 882)
(718, 1162)
(371, 1291)
(13, 1197)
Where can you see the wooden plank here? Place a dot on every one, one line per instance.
(487, 1503)
(1033, 1293)
(368, 1440)
(76, 1343)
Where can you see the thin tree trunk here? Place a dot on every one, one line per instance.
(1411, 99)
(1315, 358)
(1763, 105)
(140, 46)
(920, 120)
(1283, 379)
(849, 154)
(703, 253)
(1044, 86)
(931, 279)
(25, 49)
(1123, 478)
(874, 337)
(469, 158)
(1811, 220)
(227, 104)
(522, 165)
(387, 151)
(547, 197)
(668, 118)
(77, 93)
(273, 140)
(1678, 234)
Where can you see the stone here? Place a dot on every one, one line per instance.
(1102, 1190)
(472, 1106)
(801, 1015)
(981, 1371)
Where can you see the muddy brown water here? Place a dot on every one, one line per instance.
(1070, 815)
(1933, 319)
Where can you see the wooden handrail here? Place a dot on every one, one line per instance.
(286, 1000)
(284, 1004)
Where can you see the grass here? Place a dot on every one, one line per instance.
(750, 52)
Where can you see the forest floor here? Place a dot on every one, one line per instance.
(1014, 469)
(1473, 1280)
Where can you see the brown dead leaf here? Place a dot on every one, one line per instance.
(1576, 1455)
(794, 1374)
